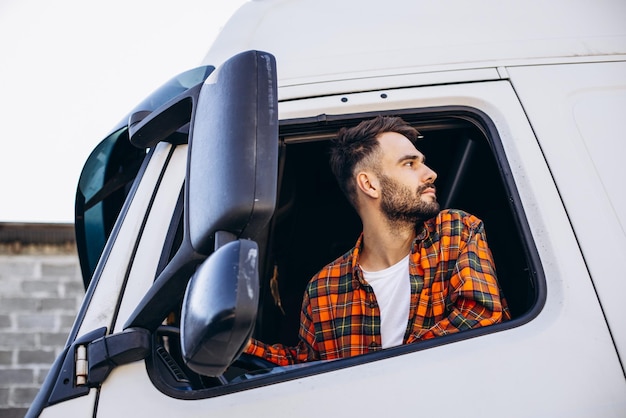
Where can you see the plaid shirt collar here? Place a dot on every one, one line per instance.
(423, 234)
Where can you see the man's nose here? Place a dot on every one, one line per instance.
(429, 175)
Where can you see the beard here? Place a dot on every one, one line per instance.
(402, 205)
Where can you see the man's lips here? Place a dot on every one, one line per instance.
(429, 190)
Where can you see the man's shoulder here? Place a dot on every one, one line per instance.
(336, 271)
(451, 220)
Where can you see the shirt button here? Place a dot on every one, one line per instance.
(373, 346)
(372, 304)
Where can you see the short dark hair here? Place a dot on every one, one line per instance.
(358, 144)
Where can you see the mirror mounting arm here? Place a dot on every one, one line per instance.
(110, 351)
(223, 237)
(90, 359)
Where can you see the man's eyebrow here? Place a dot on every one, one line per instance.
(419, 157)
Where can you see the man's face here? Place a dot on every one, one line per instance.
(407, 184)
(401, 203)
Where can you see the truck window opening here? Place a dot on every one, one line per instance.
(314, 224)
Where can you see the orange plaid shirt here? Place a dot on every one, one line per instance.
(453, 288)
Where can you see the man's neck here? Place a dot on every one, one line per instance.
(383, 246)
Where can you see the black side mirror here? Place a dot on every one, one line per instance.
(231, 182)
(233, 152)
(219, 308)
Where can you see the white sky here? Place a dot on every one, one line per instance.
(69, 71)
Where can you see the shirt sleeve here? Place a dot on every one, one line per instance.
(282, 355)
(473, 294)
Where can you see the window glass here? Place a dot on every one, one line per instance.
(109, 172)
(103, 186)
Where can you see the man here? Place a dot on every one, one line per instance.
(415, 272)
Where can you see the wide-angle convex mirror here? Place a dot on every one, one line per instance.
(219, 308)
(230, 195)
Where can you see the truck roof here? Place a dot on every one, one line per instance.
(327, 40)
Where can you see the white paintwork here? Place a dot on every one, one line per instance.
(78, 407)
(578, 113)
(317, 41)
(144, 264)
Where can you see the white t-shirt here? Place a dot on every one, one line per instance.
(393, 293)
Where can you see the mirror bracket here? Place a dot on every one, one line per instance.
(110, 351)
(223, 237)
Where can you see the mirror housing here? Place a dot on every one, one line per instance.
(232, 170)
(219, 308)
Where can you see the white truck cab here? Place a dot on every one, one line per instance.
(203, 215)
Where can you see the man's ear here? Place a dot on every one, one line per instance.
(367, 183)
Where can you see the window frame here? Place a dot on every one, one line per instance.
(281, 374)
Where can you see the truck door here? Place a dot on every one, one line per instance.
(535, 364)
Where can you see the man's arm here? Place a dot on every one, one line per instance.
(283, 355)
(473, 294)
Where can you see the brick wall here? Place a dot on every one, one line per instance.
(40, 293)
